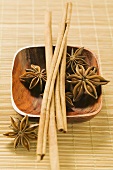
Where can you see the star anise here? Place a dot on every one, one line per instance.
(34, 76)
(23, 132)
(69, 97)
(85, 81)
(75, 58)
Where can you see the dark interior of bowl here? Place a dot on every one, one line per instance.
(29, 101)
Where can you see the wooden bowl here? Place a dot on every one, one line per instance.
(29, 102)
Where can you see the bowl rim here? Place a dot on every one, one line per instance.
(38, 116)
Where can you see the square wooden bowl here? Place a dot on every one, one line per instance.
(28, 102)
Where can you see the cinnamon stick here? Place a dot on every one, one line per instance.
(47, 87)
(55, 71)
(62, 88)
(59, 116)
(51, 78)
(52, 134)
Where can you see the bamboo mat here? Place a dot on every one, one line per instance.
(88, 145)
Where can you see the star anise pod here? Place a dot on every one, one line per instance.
(75, 58)
(23, 132)
(85, 81)
(34, 76)
(69, 97)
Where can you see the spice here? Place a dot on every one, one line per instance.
(49, 87)
(23, 132)
(62, 87)
(75, 58)
(60, 54)
(69, 97)
(59, 115)
(51, 130)
(34, 76)
(85, 81)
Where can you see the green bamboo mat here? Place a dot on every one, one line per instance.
(86, 146)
